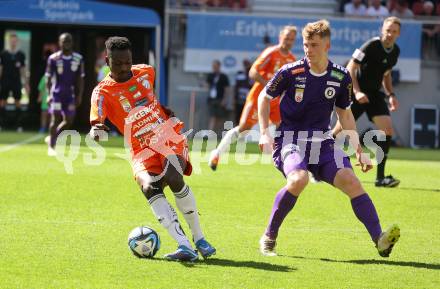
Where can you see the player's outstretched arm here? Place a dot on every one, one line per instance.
(97, 130)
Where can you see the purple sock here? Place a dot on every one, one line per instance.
(284, 202)
(365, 211)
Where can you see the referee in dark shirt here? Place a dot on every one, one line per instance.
(370, 68)
(12, 77)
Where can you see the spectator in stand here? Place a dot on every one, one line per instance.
(216, 4)
(355, 8)
(428, 9)
(401, 10)
(431, 32)
(376, 9)
(237, 4)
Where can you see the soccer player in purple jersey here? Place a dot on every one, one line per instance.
(65, 83)
(309, 89)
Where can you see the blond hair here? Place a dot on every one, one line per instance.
(393, 20)
(288, 28)
(320, 28)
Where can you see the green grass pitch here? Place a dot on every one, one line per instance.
(60, 230)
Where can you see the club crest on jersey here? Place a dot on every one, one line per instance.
(126, 106)
(329, 92)
(143, 80)
(299, 93)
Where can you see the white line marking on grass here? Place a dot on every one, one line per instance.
(17, 144)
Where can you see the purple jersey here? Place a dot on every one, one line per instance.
(64, 72)
(307, 99)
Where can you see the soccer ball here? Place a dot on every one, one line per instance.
(144, 242)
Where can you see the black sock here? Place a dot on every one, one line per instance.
(385, 146)
(18, 116)
(2, 115)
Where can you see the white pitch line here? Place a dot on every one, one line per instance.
(17, 144)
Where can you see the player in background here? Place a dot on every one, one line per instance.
(370, 68)
(309, 90)
(65, 83)
(266, 65)
(159, 151)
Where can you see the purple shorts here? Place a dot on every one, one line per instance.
(323, 160)
(62, 104)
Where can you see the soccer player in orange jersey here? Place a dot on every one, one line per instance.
(266, 65)
(159, 152)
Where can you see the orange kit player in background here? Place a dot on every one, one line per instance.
(263, 69)
(159, 152)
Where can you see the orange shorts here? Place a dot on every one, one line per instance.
(154, 163)
(249, 115)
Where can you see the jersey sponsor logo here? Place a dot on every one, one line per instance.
(336, 74)
(358, 55)
(350, 91)
(333, 83)
(300, 79)
(141, 102)
(60, 67)
(132, 88)
(137, 95)
(74, 66)
(126, 106)
(300, 85)
(274, 83)
(298, 70)
(141, 113)
(329, 92)
(299, 94)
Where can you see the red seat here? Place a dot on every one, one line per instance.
(437, 10)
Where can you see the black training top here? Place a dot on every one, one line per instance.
(374, 60)
(11, 64)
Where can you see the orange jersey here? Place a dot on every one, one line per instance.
(131, 106)
(267, 64)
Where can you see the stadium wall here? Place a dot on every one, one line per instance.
(187, 84)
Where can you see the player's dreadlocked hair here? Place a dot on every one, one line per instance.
(117, 43)
(320, 28)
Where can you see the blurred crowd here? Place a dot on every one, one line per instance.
(211, 4)
(398, 8)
